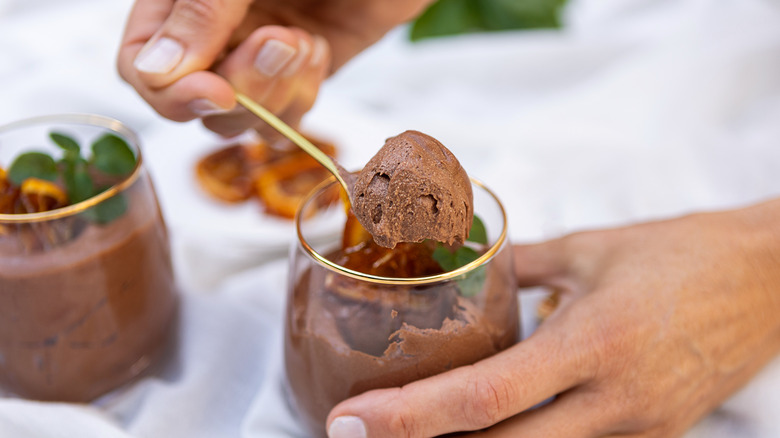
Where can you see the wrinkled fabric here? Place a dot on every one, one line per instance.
(638, 110)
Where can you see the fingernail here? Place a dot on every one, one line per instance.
(319, 51)
(303, 51)
(205, 107)
(161, 57)
(273, 56)
(347, 427)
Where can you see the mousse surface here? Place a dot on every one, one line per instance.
(345, 336)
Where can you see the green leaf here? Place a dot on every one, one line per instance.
(478, 233)
(471, 283)
(522, 14)
(108, 210)
(465, 255)
(453, 17)
(65, 142)
(112, 155)
(78, 182)
(32, 165)
(450, 261)
(447, 17)
(79, 185)
(72, 159)
(444, 258)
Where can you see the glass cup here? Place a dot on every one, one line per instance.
(348, 332)
(87, 293)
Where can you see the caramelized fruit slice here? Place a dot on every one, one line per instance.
(360, 253)
(354, 233)
(9, 194)
(232, 174)
(282, 186)
(37, 195)
(406, 260)
(34, 196)
(227, 173)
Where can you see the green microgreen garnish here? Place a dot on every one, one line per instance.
(108, 210)
(478, 233)
(450, 261)
(471, 283)
(78, 182)
(65, 142)
(453, 17)
(111, 156)
(32, 165)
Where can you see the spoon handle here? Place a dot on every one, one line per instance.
(291, 134)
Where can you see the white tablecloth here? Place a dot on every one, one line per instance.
(639, 109)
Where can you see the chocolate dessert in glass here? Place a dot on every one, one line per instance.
(363, 316)
(87, 293)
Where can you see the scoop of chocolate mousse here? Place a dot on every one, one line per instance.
(414, 189)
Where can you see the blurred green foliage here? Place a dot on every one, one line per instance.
(452, 17)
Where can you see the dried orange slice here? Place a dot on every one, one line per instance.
(229, 173)
(9, 194)
(360, 253)
(282, 186)
(354, 233)
(406, 260)
(226, 173)
(37, 195)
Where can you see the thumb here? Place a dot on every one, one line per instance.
(166, 40)
(466, 398)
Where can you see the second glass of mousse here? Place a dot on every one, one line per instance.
(87, 294)
(363, 316)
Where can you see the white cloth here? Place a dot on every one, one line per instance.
(639, 109)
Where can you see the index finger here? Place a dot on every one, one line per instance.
(165, 40)
(539, 264)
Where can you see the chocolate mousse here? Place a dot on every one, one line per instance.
(414, 189)
(83, 315)
(345, 335)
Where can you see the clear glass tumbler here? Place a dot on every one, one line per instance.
(87, 293)
(348, 332)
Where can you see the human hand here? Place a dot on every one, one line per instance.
(657, 325)
(185, 57)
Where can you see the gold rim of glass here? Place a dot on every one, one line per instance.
(494, 248)
(87, 120)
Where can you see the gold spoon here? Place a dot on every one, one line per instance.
(346, 179)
